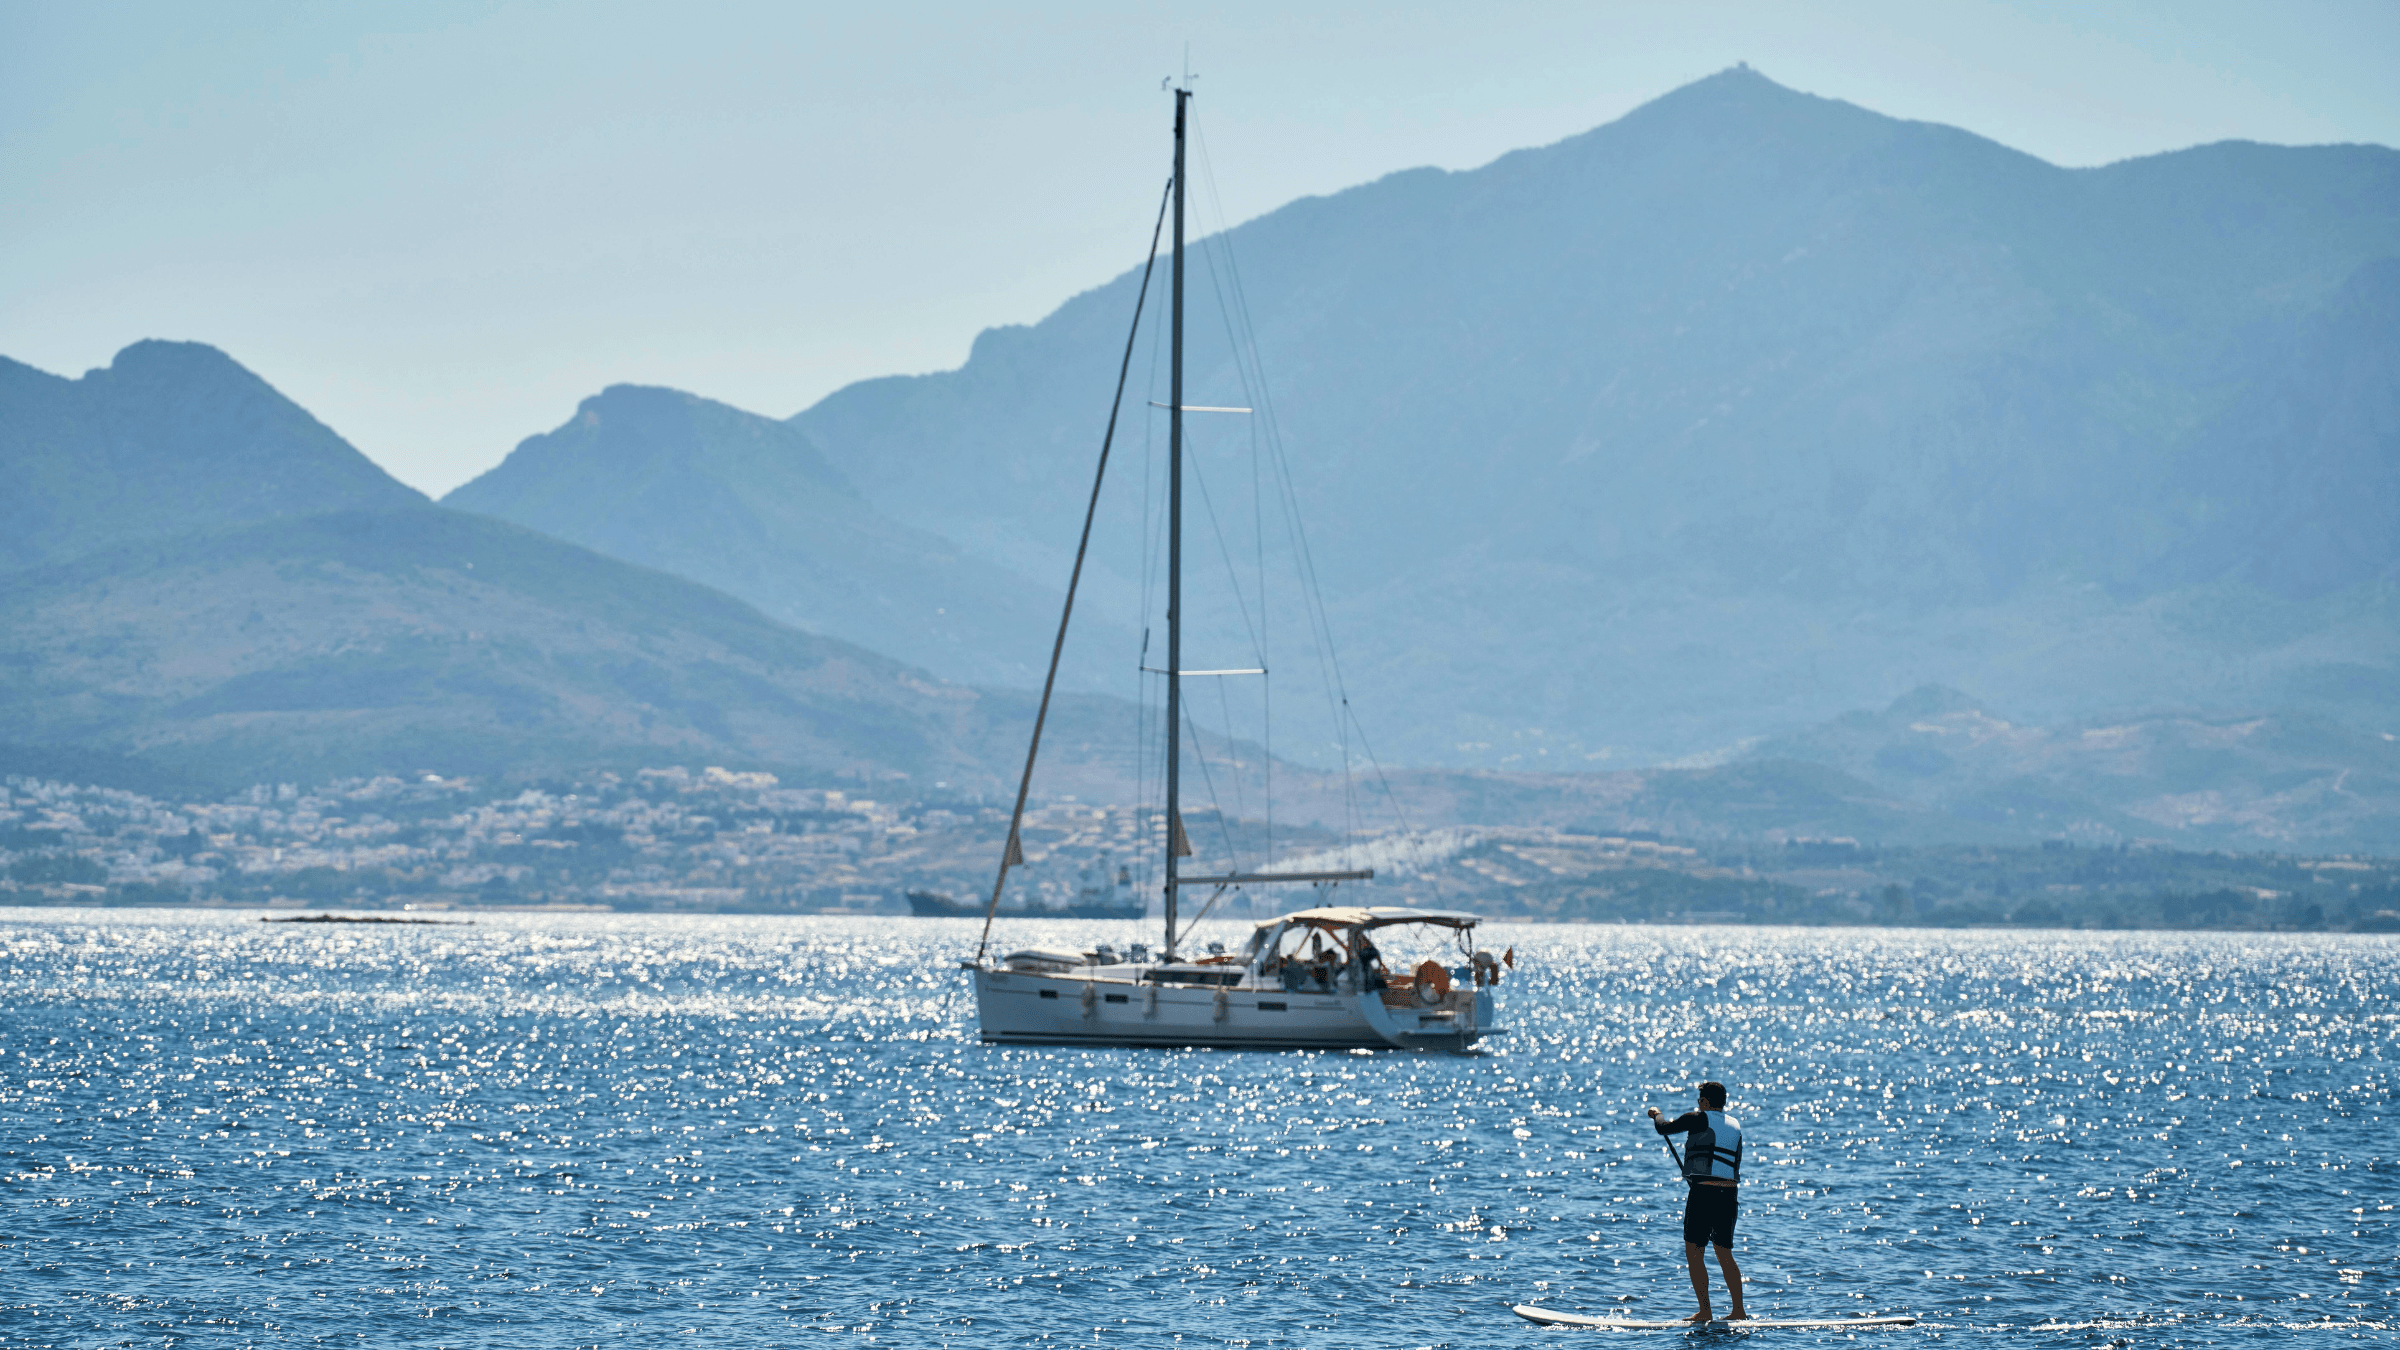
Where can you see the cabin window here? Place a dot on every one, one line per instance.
(1182, 975)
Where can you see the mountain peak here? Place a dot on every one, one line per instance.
(1876, 394)
(168, 438)
(652, 396)
(1739, 77)
(1739, 88)
(166, 354)
(161, 368)
(655, 434)
(686, 484)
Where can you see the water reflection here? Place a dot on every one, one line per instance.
(614, 1128)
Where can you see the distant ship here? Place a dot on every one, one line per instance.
(1091, 902)
(935, 905)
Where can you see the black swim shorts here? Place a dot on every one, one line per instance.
(1708, 1214)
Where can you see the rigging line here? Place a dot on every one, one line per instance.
(1212, 904)
(1200, 480)
(1242, 370)
(1208, 780)
(1262, 399)
(1258, 642)
(1377, 764)
(1232, 757)
(1151, 506)
(1266, 701)
(1141, 753)
(1242, 346)
(1012, 850)
(1320, 617)
(1149, 730)
(1313, 602)
(1266, 763)
(1320, 622)
(1239, 309)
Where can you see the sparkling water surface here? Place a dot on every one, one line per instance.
(614, 1129)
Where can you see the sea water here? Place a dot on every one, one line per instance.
(543, 1131)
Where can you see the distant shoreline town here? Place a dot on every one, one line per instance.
(719, 841)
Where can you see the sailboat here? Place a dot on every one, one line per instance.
(1316, 977)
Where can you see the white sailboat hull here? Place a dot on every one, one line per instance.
(1068, 1009)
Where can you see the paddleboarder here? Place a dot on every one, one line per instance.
(1712, 1168)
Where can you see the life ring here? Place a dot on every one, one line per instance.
(1433, 982)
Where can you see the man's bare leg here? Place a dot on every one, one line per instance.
(1733, 1281)
(1691, 1258)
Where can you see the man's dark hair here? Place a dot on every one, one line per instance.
(1713, 1092)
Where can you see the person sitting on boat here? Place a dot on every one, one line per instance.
(1315, 969)
(1292, 966)
(1371, 963)
(1712, 1167)
(1320, 972)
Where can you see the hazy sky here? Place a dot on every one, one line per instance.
(439, 225)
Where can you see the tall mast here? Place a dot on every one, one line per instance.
(1175, 540)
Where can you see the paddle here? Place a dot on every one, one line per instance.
(1669, 1141)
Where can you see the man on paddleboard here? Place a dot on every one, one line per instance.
(1712, 1167)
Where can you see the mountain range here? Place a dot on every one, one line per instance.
(745, 503)
(167, 437)
(412, 638)
(1752, 408)
(2261, 781)
(223, 591)
(1671, 446)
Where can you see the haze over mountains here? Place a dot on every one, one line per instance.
(744, 503)
(168, 437)
(1754, 407)
(1675, 444)
(241, 596)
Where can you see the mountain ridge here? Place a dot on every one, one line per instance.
(745, 504)
(1742, 371)
(168, 434)
(1620, 498)
(356, 643)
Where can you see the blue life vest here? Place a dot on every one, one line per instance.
(1715, 1149)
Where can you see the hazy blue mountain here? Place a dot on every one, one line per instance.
(213, 587)
(2296, 479)
(1752, 407)
(2275, 782)
(746, 504)
(169, 437)
(425, 639)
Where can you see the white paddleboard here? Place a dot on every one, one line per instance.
(1548, 1318)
